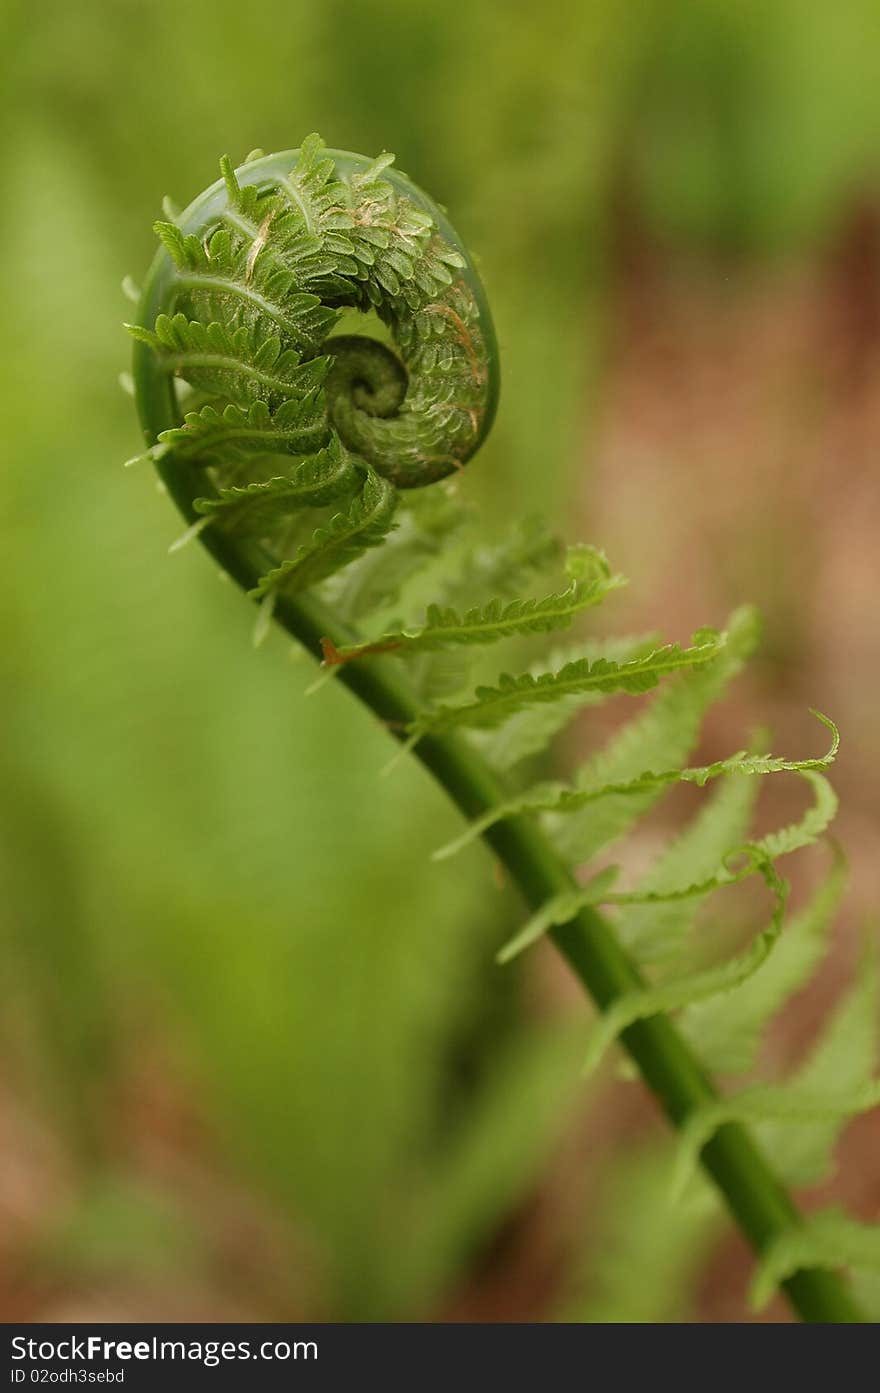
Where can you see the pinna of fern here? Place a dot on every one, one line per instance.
(314, 355)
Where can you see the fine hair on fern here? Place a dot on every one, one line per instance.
(315, 365)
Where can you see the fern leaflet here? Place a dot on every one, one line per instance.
(826, 1239)
(562, 798)
(739, 863)
(346, 536)
(591, 581)
(727, 1033)
(493, 705)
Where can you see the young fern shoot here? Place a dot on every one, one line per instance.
(314, 356)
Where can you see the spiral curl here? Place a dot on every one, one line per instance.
(247, 320)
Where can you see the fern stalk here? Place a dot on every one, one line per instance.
(758, 1201)
(755, 1196)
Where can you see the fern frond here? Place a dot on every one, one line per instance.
(844, 1061)
(563, 798)
(232, 362)
(829, 1239)
(366, 523)
(462, 572)
(311, 192)
(288, 410)
(532, 729)
(591, 581)
(255, 508)
(661, 736)
(233, 434)
(801, 1119)
(493, 705)
(656, 932)
(381, 578)
(222, 284)
(788, 1104)
(755, 857)
(694, 986)
(727, 1033)
(271, 275)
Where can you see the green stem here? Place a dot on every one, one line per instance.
(755, 1196)
(757, 1199)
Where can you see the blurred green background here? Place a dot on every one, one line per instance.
(257, 1060)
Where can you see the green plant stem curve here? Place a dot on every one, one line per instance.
(758, 1201)
(755, 1196)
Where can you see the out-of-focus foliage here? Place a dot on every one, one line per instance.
(644, 1253)
(202, 879)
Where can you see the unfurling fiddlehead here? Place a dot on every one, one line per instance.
(245, 306)
(294, 447)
